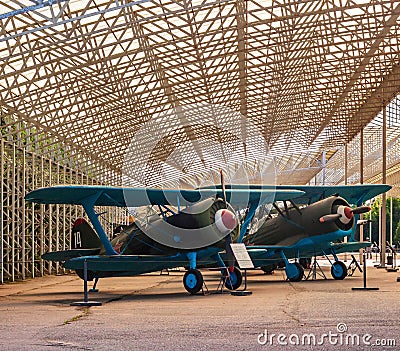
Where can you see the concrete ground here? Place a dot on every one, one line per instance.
(153, 312)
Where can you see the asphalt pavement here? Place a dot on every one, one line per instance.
(154, 312)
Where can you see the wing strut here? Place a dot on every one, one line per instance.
(249, 216)
(88, 205)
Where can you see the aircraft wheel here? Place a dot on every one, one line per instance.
(268, 269)
(305, 262)
(90, 274)
(294, 272)
(339, 270)
(193, 281)
(234, 280)
(281, 264)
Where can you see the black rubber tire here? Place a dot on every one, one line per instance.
(193, 281)
(269, 268)
(235, 279)
(300, 276)
(342, 270)
(305, 262)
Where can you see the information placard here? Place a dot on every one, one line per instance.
(242, 256)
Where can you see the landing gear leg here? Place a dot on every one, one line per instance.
(193, 279)
(93, 289)
(294, 271)
(231, 280)
(338, 269)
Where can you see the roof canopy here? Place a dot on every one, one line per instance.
(309, 74)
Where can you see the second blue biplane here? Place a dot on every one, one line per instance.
(313, 224)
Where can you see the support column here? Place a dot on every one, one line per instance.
(33, 173)
(383, 209)
(23, 214)
(2, 214)
(13, 215)
(362, 156)
(361, 227)
(345, 164)
(41, 235)
(391, 221)
(345, 183)
(323, 167)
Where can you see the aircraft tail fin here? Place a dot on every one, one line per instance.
(84, 242)
(83, 236)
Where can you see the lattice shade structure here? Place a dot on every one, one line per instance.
(309, 74)
(372, 154)
(80, 80)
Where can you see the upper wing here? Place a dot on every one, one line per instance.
(354, 194)
(133, 197)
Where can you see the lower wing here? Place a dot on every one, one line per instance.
(62, 256)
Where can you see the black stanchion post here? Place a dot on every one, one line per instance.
(85, 292)
(364, 276)
(364, 271)
(245, 279)
(85, 301)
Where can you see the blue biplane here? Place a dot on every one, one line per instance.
(203, 224)
(313, 224)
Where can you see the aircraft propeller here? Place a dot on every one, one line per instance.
(344, 213)
(229, 220)
(361, 209)
(330, 218)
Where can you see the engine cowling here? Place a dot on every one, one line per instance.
(292, 226)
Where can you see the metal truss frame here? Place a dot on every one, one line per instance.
(79, 79)
(309, 74)
(30, 160)
(344, 165)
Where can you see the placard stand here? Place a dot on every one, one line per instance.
(244, 261)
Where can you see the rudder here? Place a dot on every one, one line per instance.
(83, 236)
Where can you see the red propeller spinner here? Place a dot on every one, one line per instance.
(225, 221)
(344, 213)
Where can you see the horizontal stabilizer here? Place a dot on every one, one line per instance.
(61, 256)
(267, 247)
(351, 246)
(131, 264)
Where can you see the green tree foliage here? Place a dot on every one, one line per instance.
(374, 216)
(396, 236)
